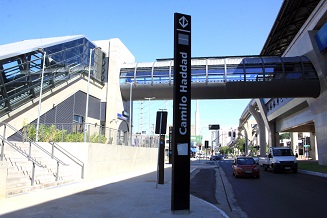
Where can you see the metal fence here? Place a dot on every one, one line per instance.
(93, 133)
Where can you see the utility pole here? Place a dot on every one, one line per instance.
(141, 119)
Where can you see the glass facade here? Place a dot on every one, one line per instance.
(20, 76)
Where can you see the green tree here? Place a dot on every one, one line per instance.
(240, 142)
(285, 135)
(225, 150)
(253, 150)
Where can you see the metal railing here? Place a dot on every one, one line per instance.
(74, 132)
(67, 154)
(23, 152)
(222, 70)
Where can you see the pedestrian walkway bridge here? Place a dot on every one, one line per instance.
(212, 78)
(224, 78)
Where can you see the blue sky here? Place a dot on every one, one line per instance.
(219, 28)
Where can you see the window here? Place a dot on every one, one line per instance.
(78, 124)
(78, 119)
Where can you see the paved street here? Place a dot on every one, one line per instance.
(280, 194)
(209, 182)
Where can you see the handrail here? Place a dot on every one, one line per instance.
(34, 143)
(22, 152)
(31, 142)
(14, 146)
(69, 155)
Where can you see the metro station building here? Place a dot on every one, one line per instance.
(72, 73)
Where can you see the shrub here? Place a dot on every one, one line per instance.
(51, 133)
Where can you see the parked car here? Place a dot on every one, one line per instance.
(245, 167)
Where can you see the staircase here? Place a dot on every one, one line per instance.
(31, 166)
(20, 171)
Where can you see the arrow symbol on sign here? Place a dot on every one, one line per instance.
(183, 22)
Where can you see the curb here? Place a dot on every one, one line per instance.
(313, 173)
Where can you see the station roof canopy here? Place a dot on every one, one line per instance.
(289, 21)
(25, 46)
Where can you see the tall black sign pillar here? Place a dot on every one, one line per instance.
(180, 196)
(161, 124)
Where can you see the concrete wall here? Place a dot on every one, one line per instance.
(100, 161)
(104, 160)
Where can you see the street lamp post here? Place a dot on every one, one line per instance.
(151, 98)
(88, 94)
(40, 98)
(130, 113)
(149, 119)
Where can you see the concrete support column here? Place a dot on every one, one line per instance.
(313, 146)
(246, 142)
(316, 149)
(277, 139)
(3, 179)
(294, 141)
(319, 108)
(246, 139)
(273, 137)
(270, 135)
(262, 130)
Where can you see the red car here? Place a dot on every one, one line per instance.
(245, 167)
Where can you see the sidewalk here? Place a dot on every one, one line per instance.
(124, 196)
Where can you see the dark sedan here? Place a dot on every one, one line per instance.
(216, 157)
(245, 167)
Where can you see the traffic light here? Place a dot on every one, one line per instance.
(214, 127)
(162, 139)
(232, 134)
(206, 144)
